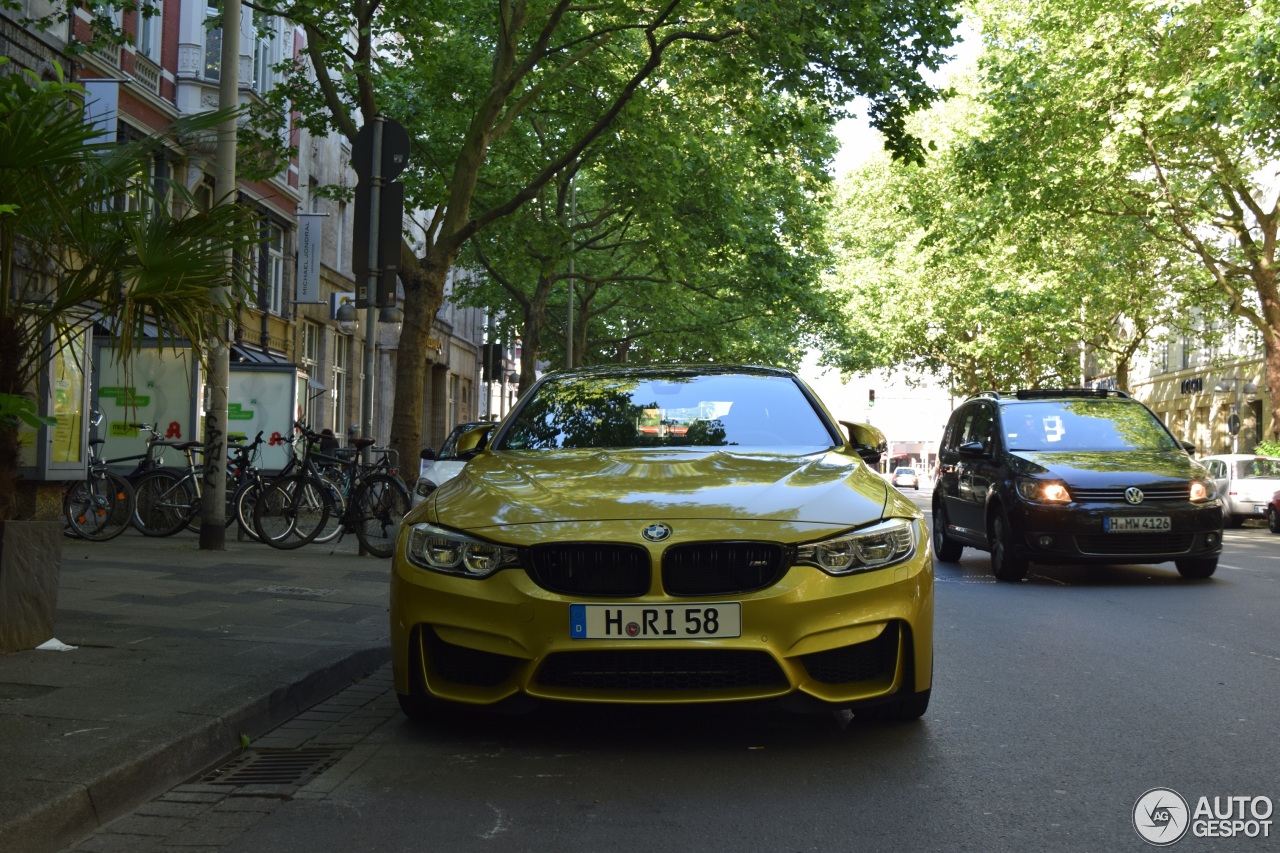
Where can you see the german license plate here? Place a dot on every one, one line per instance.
(661, 622)
(1136, 524)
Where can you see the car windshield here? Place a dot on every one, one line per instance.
(1262, 468)
(1088, 424)
(907, 472)
(666, 409)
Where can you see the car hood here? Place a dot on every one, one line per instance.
(507, 488)
(1110, 468)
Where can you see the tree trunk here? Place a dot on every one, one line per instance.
(423, 295)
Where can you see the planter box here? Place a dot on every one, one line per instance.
(30, 561)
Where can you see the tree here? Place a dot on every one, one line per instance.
(697, 223)
(1162, 114)
(469, 79)
(71, 254)
(964, 279)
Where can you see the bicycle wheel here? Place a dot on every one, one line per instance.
(337, 506)
(292, 511)
(229, 511)
(380, 503)
(243, 502)
(164, 503)
(99, 508)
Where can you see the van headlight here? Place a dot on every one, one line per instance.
(442, 550)
(884, 544)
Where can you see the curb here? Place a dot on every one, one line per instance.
(254, 708)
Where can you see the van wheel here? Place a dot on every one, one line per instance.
(945, 548)
(1006, 565)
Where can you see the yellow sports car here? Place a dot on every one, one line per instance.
(665, 535)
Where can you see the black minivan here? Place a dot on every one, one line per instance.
(1071, 476)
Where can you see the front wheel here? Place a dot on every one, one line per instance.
(1273, 520)
(1006, 564)
(379, 505)
(100, 507)
(164, 503)
(945, 548)
(291, 511)
(1197, 569)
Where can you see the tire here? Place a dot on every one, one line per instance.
(292, 511)
(164, 503)
(1197, 569)
(243, 501)
(1233, 521)
(1273, 520)
(380, 503)
(332, 528)
(99, 508)
(945, 548)
(1006, 564)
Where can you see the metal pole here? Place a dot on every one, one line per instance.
(573, 215)
(375, 264)
(213, 504)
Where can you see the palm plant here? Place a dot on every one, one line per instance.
(72, 254)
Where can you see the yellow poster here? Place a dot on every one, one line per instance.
(68, 394)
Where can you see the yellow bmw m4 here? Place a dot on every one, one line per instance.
(666, 534)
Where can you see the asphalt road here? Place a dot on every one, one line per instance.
(1057, 704)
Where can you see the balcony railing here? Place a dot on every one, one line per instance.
(147, 73)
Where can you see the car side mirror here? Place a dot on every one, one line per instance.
(1188, 446)
(867, 441)
(427, 455)
(972, 448)
(474, 440)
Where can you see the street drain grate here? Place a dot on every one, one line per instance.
(274, 767)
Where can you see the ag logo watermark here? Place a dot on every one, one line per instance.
(1161, 816)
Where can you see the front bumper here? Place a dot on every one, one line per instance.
(1076, 533)
(837, 641)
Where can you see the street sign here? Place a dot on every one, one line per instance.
(395, 150)
(377, 255)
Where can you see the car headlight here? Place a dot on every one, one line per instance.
(885, 544)
(1203, 490)
(1044, 491)
(452, 553)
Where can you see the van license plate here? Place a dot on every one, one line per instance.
(660, 622)
(1136, 524)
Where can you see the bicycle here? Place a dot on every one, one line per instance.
(294, 509)
(169, 501)
(99, 507)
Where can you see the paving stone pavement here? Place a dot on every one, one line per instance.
(205, 816)
(178, 654)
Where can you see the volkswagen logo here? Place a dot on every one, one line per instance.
(1133, 495)
(658, 532)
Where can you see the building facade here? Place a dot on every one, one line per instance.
(168, 66)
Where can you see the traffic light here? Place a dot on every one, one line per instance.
(871, 398)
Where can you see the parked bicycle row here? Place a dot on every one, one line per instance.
(323, 493)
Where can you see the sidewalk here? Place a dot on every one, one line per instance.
(179, 652)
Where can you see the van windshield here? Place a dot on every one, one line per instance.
(1083, 425)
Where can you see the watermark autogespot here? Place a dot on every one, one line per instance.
(1162, 817)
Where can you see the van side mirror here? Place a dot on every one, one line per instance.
(1188, 446)
(972, 448)
(867, 441)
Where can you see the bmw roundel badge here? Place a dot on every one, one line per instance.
(656, 532)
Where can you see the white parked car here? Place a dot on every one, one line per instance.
(440, 468)
(903, 477)
(1246, 484)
